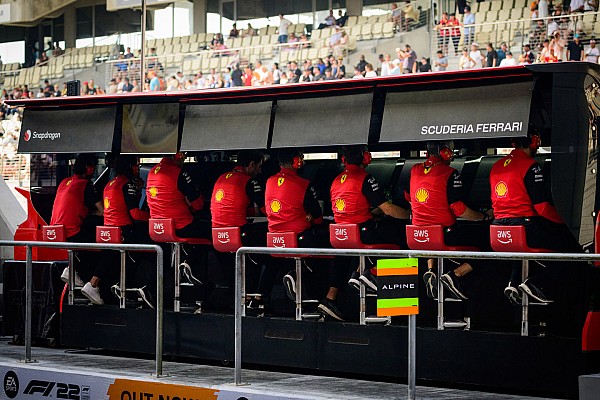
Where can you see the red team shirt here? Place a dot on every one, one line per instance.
(435, 194)
(74, 197)
(288, 199)
(121, 203)
(233, 193)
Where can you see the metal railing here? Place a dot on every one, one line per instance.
(92, 246)
(240, 289)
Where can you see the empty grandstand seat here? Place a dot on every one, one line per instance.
(54, 233)
(347, 236)
(109, 234)
(511, 238)
(227, 240)
(162, 230)
(430, 237)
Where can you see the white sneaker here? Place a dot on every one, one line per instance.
(92, 293)
(65, 278)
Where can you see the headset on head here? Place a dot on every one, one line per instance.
(367, 157)
(180, 156)
(298, 161)
(446, 154)
(535, 141)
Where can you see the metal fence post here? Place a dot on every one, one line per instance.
(440, 300)
(412, 356)
(160, 308)
(28, 302)
(239, 309)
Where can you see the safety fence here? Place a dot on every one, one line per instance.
(240, 295)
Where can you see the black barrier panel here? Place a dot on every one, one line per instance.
(150, 128)
(68, 131)
(326, 121)
(465, 113)
(226, 126)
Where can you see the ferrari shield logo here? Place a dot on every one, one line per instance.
(280, 181)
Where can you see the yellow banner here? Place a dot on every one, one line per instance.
(125, 389)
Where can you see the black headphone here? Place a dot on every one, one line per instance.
(347, 155)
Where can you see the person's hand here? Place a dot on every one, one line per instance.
(490, 214)
(309, 217)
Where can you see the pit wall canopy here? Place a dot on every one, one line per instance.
(474, 104)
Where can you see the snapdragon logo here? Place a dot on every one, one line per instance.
(27, 135)
(44, 135)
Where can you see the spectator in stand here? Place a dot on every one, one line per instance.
(343, 18)
(543, 9)
(577, 6)
(317, 75)
(395, 69)
(112, 87)
(128, 54)
(284, 24)
(409, 60)
(386, 65)
(329, 76)
(466, 62)
(121, 65)
(557, 46)
(234, 32)
(443, 32)
(236, 76)
(49, 50)
(411, 14)
(424, 65)
(362, 64)
(442, 62)
(592, 53)
(329, 21)
(57, 50)
(509, 61)
(306, 76)
(200, 81)
(248, 76)
(552, 27)
(48, 89)
(502, 52)
(575, 49)
(357, 74)
(476, 55)
(528, 55)
(454, 25)
(216, 42)
(369, 71)
(276, 74)
(154, 81)
(128, 87)
(491, 58)
(469, 19)
(396, 16)
(249, 32)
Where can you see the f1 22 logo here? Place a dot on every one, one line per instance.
(57, 390)
(11, 385)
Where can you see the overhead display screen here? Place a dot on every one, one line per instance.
(465, 113)
(334, 120)
(226, 126)
(150, 128)
(68, 130)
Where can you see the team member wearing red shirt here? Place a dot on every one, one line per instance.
(78, 207)
(172, 193)
(436, 199)
(354, 193)
(235, 196)
(519, 198)
(292, 206)
(121, 200)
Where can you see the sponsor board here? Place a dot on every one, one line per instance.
(37, 383)
(397, 287)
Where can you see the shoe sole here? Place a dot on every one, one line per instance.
(525, 289)
(290, 286)
(79, 284)
(430, 285)
(354, 284)
(371, 288)
(94, 301)
(448, 284)
(329, 313)
(512, 294)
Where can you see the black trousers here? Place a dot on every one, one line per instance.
(198, 228)
(545, 234)
(385, 231)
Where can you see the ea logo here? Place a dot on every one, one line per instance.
(11, 385)
(27, 135)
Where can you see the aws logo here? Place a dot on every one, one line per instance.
(343, 178)
(105, 236)
(153, 191)
(106, 203)
(51, 234)
(504, 237)
(421, 235)
(223, 237)
(278, 241)
(159, 228)
(340, 204)
(422, 195)
(219, 195)
(280, 181)
(501, 189)
(341, 234)
(275, 206)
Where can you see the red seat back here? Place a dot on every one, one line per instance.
(426, 237)
(282, 240)
(109, 234)
(162, 230)
(511, 238)
(54, 233)
(227, 239)
(345, 236)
